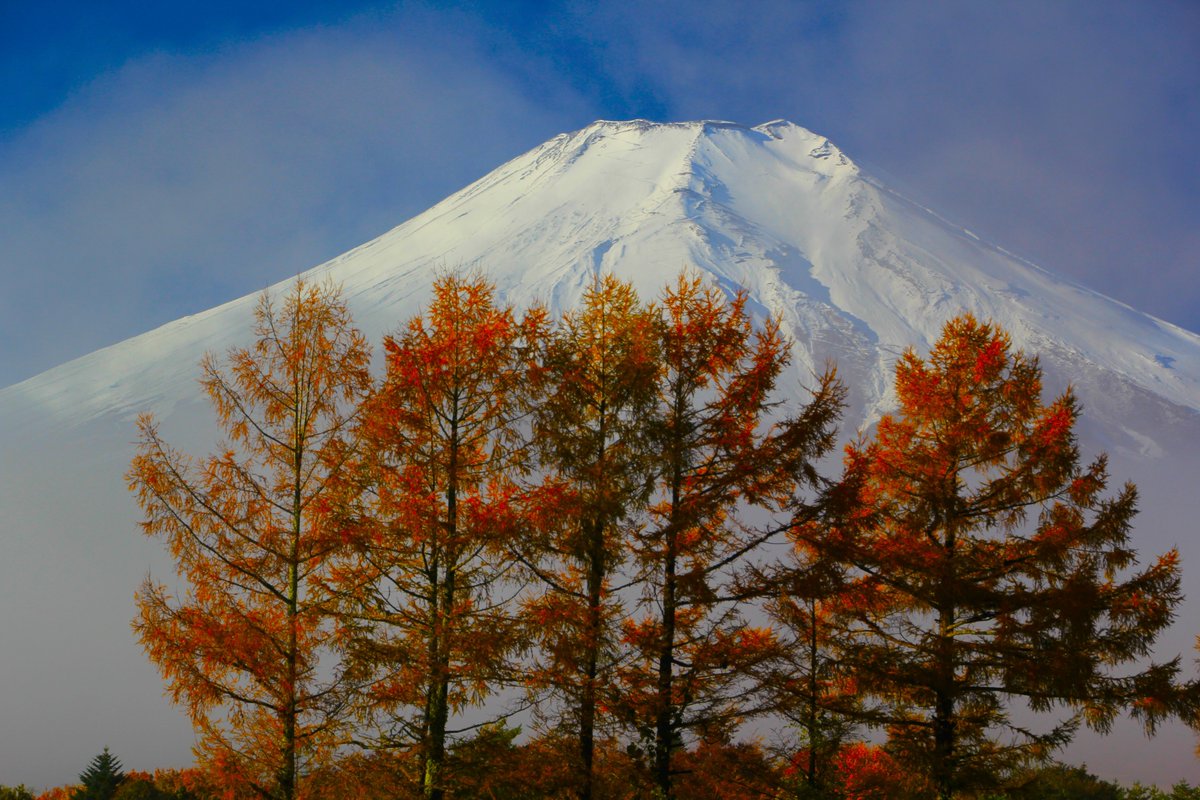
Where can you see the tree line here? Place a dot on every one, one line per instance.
(611, 527)
(725, 771)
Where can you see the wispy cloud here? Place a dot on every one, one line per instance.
(1063, 131)
(177, 182)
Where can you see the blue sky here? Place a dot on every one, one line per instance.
(159, 158)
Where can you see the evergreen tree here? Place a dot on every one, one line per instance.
(101, 778)
(1062, 782)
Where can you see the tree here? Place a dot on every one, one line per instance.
(806, 683)
(592, 426)
(984, 567)
(722, 770)
(719, 460)
(861, 771)
(439, 446)
(55, 793)
(241, 650)
(101, 779)
(140, 786)
(1062, 782)
(1180, 791)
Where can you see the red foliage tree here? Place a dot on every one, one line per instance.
(719, 457)
(806, 682)
(984, 567)
(428, 511)
(862, 771)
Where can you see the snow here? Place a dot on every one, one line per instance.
(855, 272)
(776, 209)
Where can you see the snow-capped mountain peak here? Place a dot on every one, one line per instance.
(854, 271)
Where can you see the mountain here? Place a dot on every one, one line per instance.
(855, 272)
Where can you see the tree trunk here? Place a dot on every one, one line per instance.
(287, 776)
(816, 736)
(664, 728)
(944, 722)
(439, 706)
(587, 710)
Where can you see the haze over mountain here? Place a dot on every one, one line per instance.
(854, 271)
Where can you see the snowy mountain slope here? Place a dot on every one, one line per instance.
(854, 269)
(855, 272)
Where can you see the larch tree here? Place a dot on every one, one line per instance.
(592, 426)
(721, 458)
(242, 648)
(986, 569)
(805, 681)
(423, 593)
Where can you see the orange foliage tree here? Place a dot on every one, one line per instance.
(805, 681)
(592, 428)
(721, 770)
(424, 609)
(717, 457)
(241, 648)
(985, 567)
(58, 793)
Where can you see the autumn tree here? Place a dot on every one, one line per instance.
(241, 648)
(144, 786)
(722, 770)
(424, 606)
(805, 681)
(861, 771)
(593, 431)
(724, 451)
(986, 569)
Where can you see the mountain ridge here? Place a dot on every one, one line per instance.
(690, 190)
